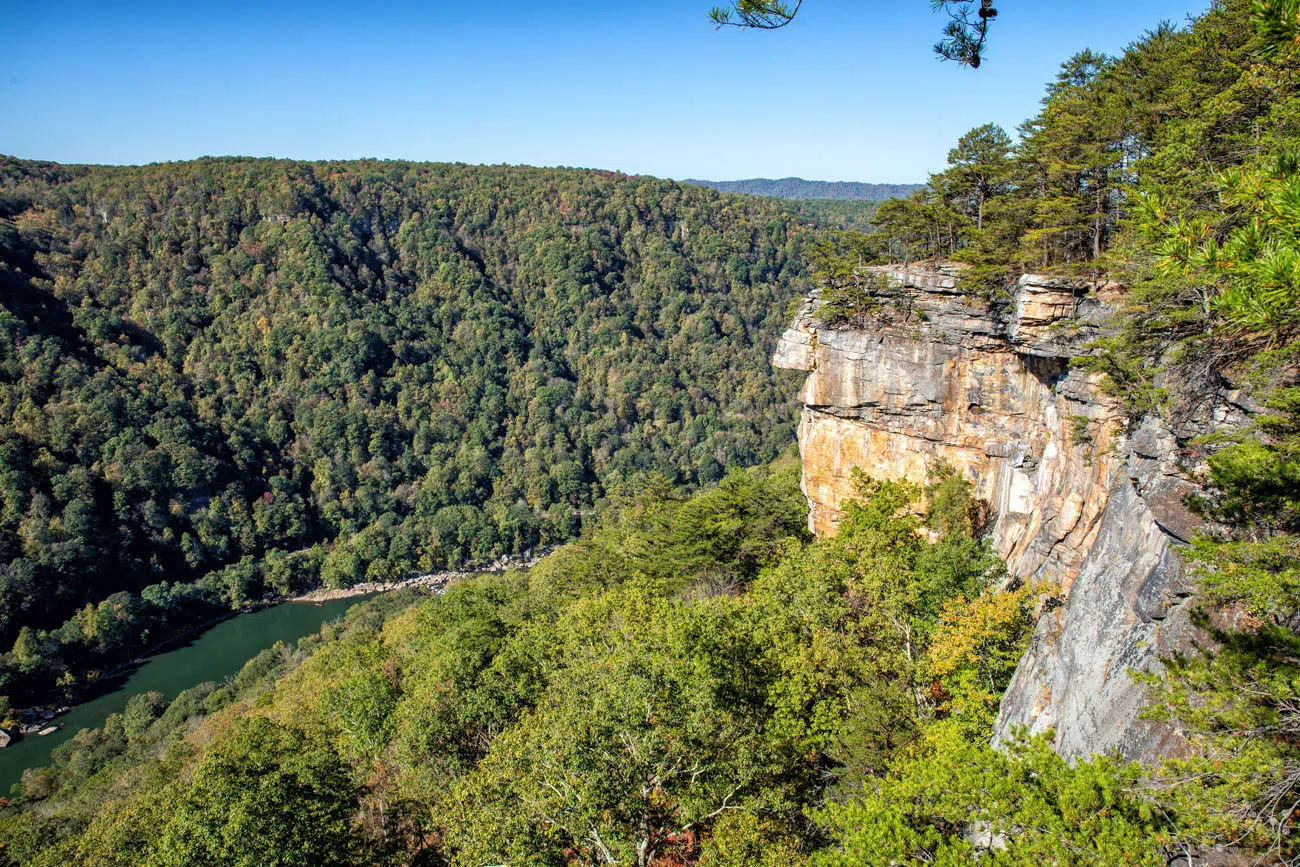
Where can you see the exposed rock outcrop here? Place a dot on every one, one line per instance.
(1091, 511)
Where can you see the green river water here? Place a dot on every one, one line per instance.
(215, 655)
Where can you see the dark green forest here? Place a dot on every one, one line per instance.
(852, 215)
(232, 377)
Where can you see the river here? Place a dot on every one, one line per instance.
(215, 654)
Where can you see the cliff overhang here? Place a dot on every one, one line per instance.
(1084, 502)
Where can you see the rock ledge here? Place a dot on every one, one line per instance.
(1092, 512)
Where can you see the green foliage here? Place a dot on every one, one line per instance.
(1262, 576)
(1237, 698)
(1245, 257)
(360, 705)
(957, 802)
(849, 293)
(747, 839)
(1237, 703)
(661, 718)
(1052, 200)
(760, 14)
(918, 227)
(1209, 252)
(232, 377)
(689, 682)
(952, 509)
(975, 650)
(1080, 430)
(816, 192)
(273, 373)
(141, 710)
(1183, 118)
(1279, 23)
(980, 166)
(113, 792)
(848, 214)
(1259, 484)
(1254, 480)
(851, 301)
(265, 798)
(967, 30)
(641, 736)
(679, 684)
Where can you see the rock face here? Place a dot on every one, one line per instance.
(1092, 512)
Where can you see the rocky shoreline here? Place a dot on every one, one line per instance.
(434, 582)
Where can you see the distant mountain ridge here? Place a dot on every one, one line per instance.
(798, 188)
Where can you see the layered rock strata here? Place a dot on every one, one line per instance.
(1092, 512)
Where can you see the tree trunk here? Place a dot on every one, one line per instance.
(1096, 224)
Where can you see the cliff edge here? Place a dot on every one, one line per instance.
(1082, 503)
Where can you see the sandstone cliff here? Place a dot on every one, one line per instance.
(1091, 509)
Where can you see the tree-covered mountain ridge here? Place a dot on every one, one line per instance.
(259, 374)
(798, 188)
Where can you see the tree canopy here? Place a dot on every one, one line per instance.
(230, 378)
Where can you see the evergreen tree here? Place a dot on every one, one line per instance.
(980, 166)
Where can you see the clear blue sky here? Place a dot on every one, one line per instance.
(850, 91)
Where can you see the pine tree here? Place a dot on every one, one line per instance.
(980, 166)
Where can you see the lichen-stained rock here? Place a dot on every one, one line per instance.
(1055, 317)
(1092, 513)
(1123, 611)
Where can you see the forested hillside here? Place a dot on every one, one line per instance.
(855, 215)
(1173, 171)
(675, 688)
(694, 682)
(798, 188)
(262, 374)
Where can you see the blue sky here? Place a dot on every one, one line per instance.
(850, 91)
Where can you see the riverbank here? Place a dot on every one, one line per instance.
(89, 691)
(215, 655)
(434, 582)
